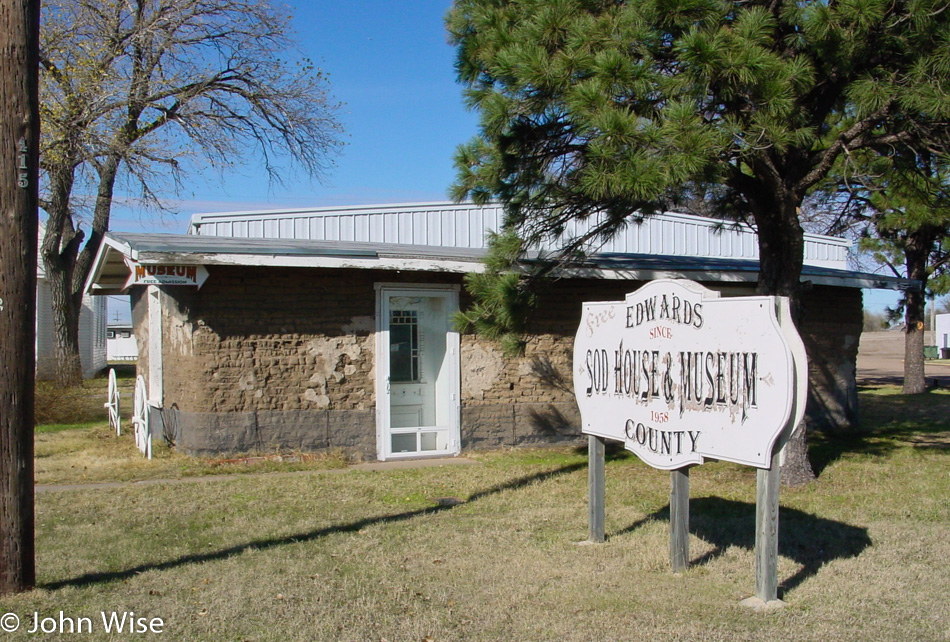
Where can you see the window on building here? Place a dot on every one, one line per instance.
(404, 346)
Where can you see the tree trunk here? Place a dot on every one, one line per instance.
(916, 255)
(108, 170)
(66, 309)
(781, 256)
(19, 137)
(914, 380)
(68, 263)
(66, 305)
(59, 250)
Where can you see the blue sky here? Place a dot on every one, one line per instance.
(391, 65)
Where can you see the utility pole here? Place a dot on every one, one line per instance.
(19, 174)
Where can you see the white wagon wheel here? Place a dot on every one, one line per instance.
(140, 418)
(112, 405)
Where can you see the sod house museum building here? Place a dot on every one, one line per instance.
(331, 328)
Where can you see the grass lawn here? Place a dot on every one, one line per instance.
(357, 555)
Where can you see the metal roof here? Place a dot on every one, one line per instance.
(110, 271)
(466, 225)
(740, 270)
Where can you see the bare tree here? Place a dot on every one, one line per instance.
(142, 90)
(19, 137)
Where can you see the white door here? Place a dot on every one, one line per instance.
(417, 374)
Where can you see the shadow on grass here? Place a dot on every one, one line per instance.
(123, 370)
(889, 421)
(613, 451)
(265, 544)
(824, 450)
(809, 540)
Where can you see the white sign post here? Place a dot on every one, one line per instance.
(679, 375)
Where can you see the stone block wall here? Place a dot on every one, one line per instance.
(262, 359)
(266, 359)
(832, 319)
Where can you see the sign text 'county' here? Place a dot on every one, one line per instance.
(679, 374)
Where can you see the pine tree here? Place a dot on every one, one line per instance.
(609, 107)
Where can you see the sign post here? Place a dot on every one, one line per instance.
(768, 482)
(679, 519)
(596, 483)
(766, 534)
(680, 375)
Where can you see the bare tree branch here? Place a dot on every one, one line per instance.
(135, 85)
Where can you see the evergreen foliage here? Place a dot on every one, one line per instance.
(502, 298)
(908, 210)
(609, 109)
(908, 204)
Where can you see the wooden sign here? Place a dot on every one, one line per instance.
(680, 374)
(162, 274)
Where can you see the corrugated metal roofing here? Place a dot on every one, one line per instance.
(465, 225)
(144, 244)
(110, 271)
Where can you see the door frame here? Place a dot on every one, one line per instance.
(383, 407)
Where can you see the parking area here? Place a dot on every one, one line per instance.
(881, 360)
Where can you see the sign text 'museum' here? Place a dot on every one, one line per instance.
(678, 374)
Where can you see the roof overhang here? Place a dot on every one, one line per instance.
(643, 267)
(110, 272)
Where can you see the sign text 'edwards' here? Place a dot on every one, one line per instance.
(679, 374)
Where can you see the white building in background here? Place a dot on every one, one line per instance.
(942, 337)
(92, 329)
(121, 344)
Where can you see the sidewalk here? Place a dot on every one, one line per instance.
(376, 466)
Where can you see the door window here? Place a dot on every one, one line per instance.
(404, 346)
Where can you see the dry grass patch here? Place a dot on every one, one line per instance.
(373, 555)
(74, 444)
(89, 453)
(82, 404)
